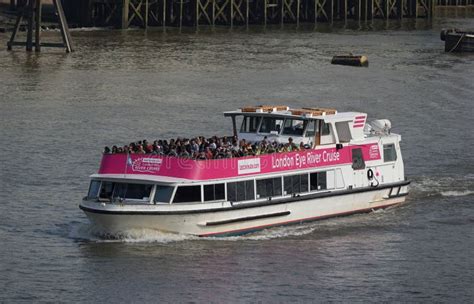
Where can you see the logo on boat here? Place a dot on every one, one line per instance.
(150, 165)
(374, 152)
(251, 165)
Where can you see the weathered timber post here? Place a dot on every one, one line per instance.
(38, 26)
(265, 12)
(332, 11)
(298, 4)
(29, 34)
(345, 11)
(125, 8)
(181, 3)
(231, 13)
(164, 13)
(247, 14)
(146, 13)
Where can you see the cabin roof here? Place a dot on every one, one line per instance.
(327, 114)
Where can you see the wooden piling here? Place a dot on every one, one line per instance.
(38, 25)
(125, 12)
(29, 34)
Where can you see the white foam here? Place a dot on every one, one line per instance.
(271, 233)
(151, 236)
(457, 193)
(442, 185)
(88, 232)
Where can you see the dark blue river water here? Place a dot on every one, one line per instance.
(57, 111)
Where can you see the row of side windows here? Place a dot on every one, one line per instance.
(236, 191)
(245, 190)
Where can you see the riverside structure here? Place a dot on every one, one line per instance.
(144, 13)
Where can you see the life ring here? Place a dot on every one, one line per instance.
(370, 174)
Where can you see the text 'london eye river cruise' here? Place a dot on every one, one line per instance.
(281, 166)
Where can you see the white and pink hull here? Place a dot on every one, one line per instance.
(227, 219)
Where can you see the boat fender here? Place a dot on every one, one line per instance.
(442, 35)
(370, 174)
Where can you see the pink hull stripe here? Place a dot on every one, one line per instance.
(231, 167)
(359, 121)
(299, 220)
(358, 125)
(360, 117)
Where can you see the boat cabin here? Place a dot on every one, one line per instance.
(250, 188)
(312, 126)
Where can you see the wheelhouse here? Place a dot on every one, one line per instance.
(310, 126)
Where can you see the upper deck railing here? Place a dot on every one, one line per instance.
(185, 168)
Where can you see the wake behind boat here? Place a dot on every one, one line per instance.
(283, 166)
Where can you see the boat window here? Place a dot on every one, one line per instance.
(294, 127)
(93, 189)
(120, 190)
(270, 124)
(187, 194)
(389, 153)
(325, 129)
(343, 131)
(312, 128)
(269, 187)
(240, 191)
(357, 159)
(137, 191)
(250, 124)
(131, 191)
(296, 183)
(318, 181)
(214, 192)
(106, 190)
(163, 194)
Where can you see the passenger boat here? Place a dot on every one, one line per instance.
(350, 166)
(457, 40)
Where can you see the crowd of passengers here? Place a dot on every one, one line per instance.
(202, 148)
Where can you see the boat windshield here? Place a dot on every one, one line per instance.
(271, 124)
(294, 127)
(163, 194)
(250, 124)
(115, 190)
